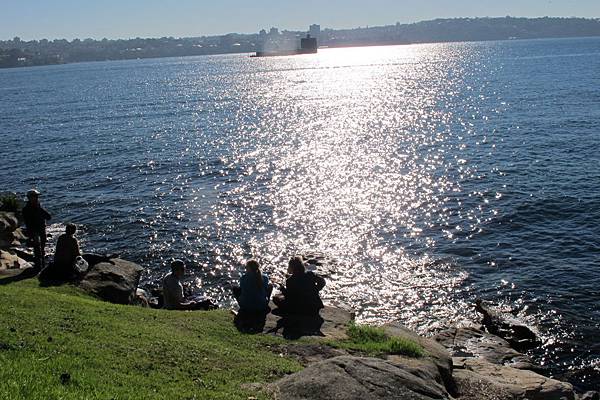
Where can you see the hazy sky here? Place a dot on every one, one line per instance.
(36, 19)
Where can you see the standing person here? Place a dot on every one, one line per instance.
(35, 217)
(254, 291)
(174, 298)
(300, 295)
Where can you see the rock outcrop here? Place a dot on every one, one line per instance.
(474, 342)
(361, 378)
(115, 281)
(11, 237)
(505, 383)
(520, 336)
(435, 352)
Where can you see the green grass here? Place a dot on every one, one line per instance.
(374, 341)
(124, 352)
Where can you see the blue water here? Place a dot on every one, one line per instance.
(431, 175)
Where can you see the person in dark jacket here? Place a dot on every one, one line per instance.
(35, 217)
(301, 292)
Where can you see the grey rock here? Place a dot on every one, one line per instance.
(8, 222)
(350, 378)
(520, 336)
(591, 395)
(435, 352)
(507, 383)
(115, 281)
(309, 353)
(474, 342)
(10, 260)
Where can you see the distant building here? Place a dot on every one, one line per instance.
(314, 30)
(262, 33)
(274, 32)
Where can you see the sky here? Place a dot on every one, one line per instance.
(69, 19)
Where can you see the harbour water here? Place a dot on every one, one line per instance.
(431, 174)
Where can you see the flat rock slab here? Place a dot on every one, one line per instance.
(474, 342)
(115, 281)
(504, 382)
(357, 378)
(331, 323)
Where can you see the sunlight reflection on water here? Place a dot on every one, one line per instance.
(353, 162)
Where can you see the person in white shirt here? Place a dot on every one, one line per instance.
(174, 298)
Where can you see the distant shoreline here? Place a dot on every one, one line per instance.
(16, 53)
(321, 48)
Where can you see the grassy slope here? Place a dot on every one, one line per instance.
(124, 352)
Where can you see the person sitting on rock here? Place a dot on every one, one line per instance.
(174, 298)
(65, 257)
(35, 217)
(300, 295)
(254, 291)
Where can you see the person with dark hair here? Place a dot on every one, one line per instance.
(67, 250)
(65, 257)
(300, 295)
(35, 217)
(174, 299)
(254, 291)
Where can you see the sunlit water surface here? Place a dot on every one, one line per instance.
(431, 175)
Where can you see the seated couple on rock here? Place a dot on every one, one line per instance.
(300, 295)
(174, 299)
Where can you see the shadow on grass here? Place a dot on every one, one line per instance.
(27, 273)
(294, 326)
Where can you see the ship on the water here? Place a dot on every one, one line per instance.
(308, 45)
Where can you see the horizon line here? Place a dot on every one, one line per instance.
(295, 31)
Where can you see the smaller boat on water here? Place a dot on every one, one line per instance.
(308, 45)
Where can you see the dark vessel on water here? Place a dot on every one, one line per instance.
(308, 45)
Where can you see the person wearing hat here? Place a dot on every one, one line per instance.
(35, 217)
(173, 296)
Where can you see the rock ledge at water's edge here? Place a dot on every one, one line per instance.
(336, 374)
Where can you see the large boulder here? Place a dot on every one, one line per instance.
(8, 225)
(8, 222)
(520, 336)
(474, 342)
(434, 351)
(115, 281)
(10, 260)
(356, 378)
(505, 383)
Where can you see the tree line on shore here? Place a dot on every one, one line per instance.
(19, 53)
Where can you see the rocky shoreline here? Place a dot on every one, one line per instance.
(476, 362)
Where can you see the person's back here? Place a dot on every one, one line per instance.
(302, 293)
(67, 250)
(254, 292)
(172, 291)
